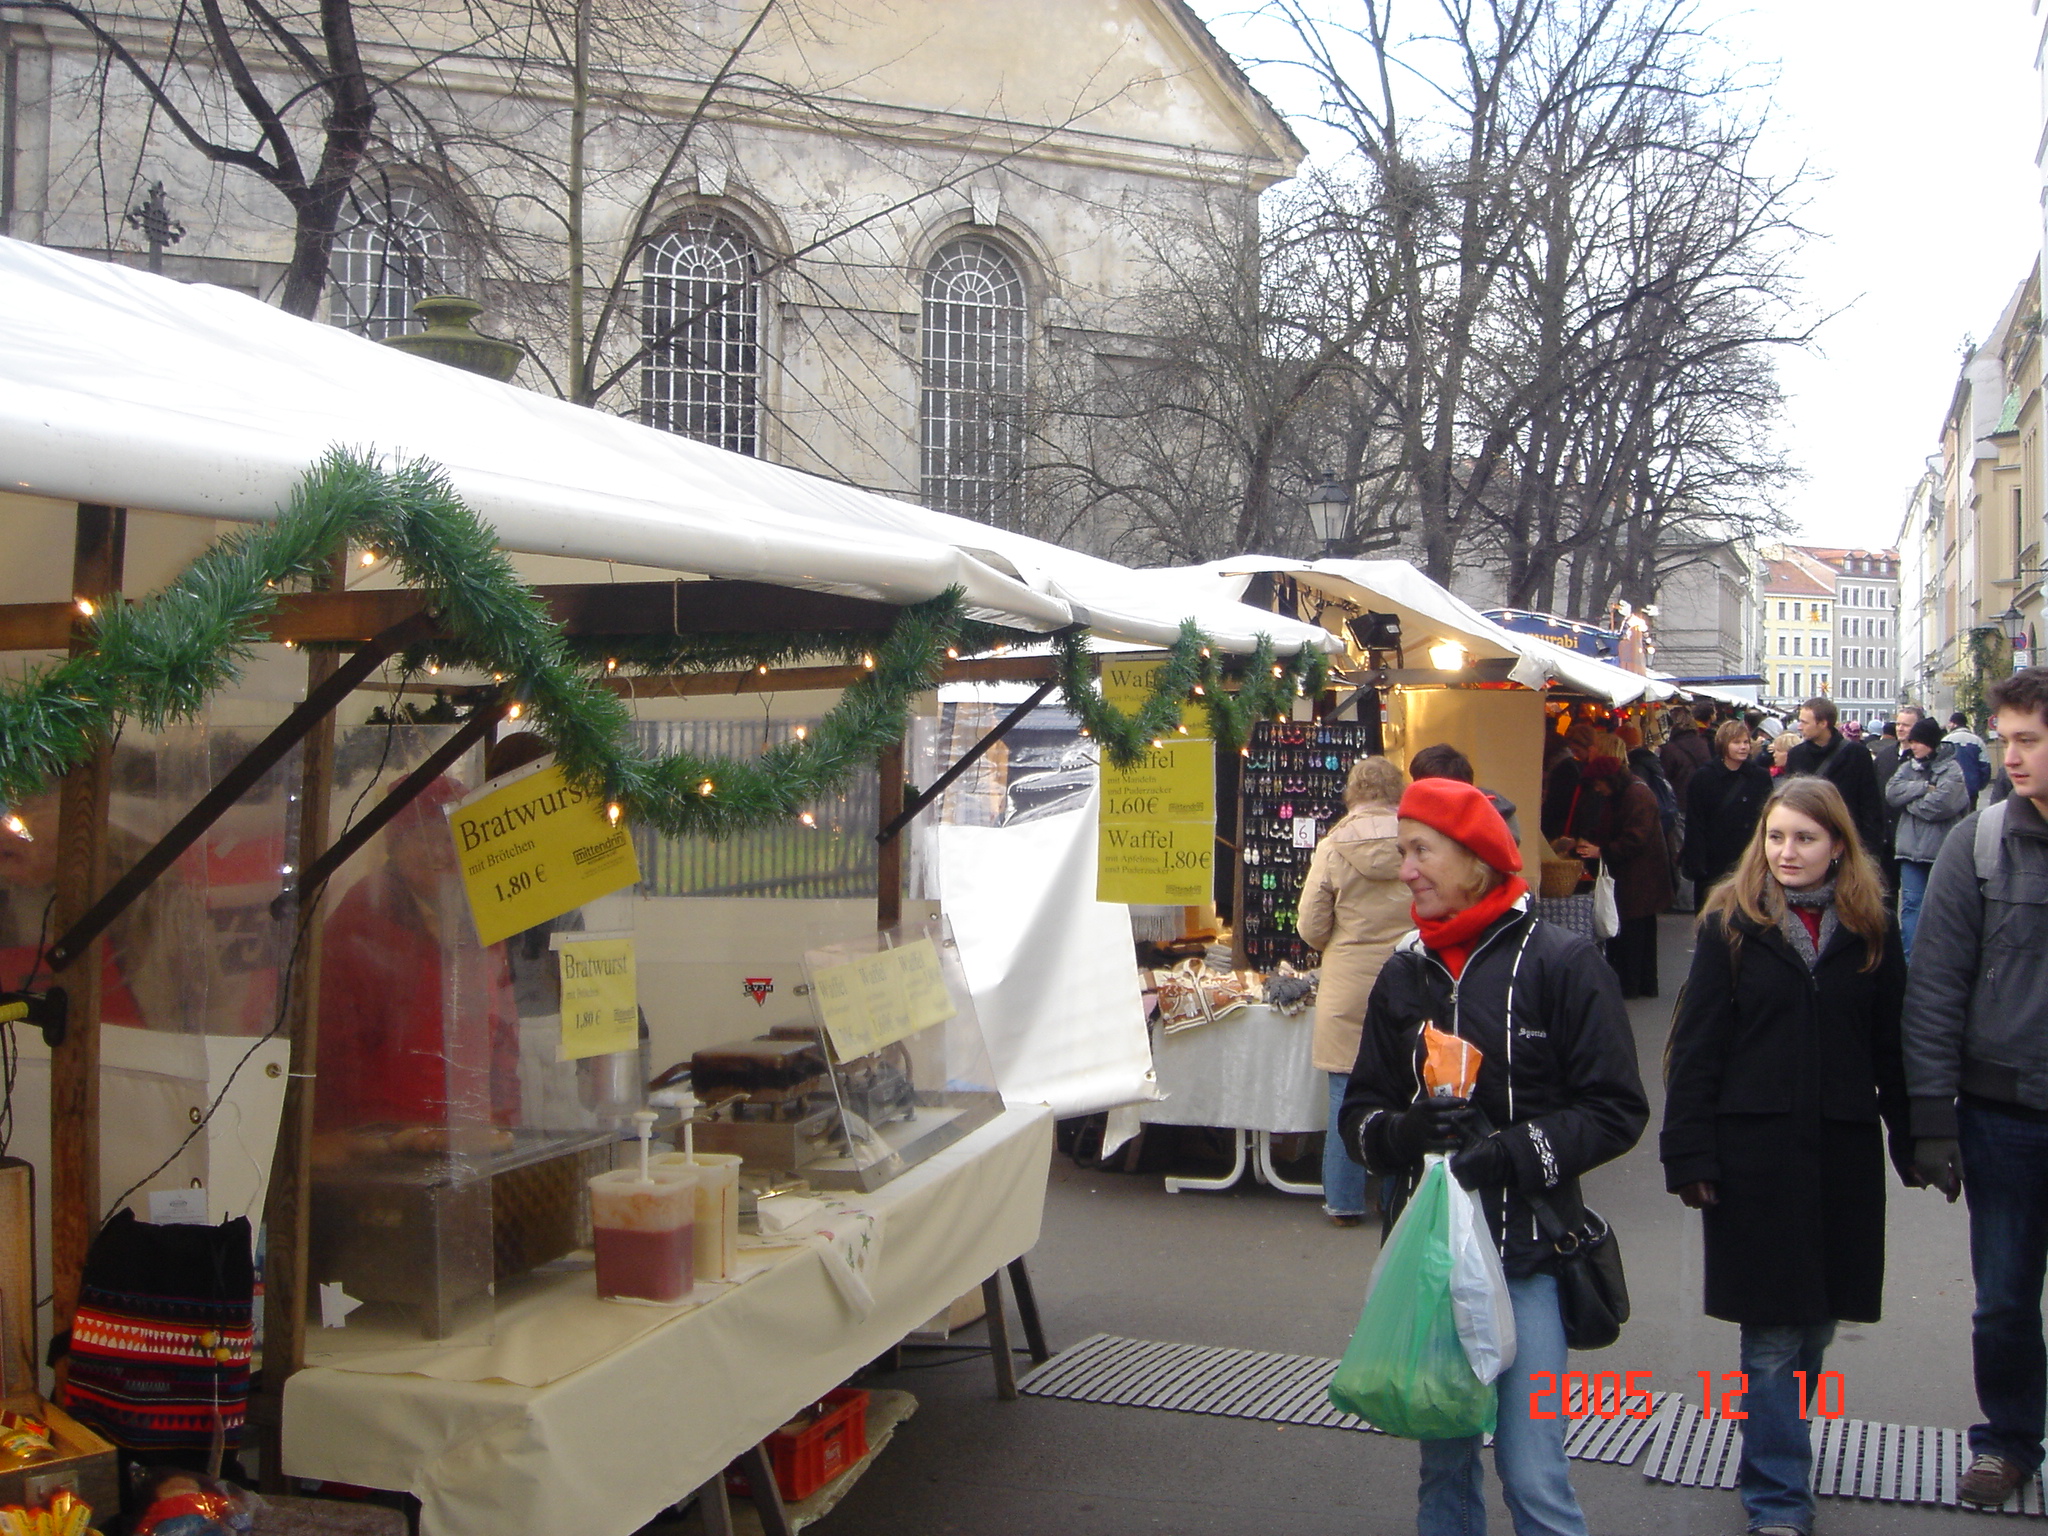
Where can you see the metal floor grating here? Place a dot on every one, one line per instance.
(1853, 1458)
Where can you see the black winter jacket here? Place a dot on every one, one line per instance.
(1722, 806)
(1564, 1091)
(1775, 1083)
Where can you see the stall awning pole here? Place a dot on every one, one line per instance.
(81, 870)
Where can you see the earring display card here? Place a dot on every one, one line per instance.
(1291, 789)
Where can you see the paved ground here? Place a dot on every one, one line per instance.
(1260, 1270)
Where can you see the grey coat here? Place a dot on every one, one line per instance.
(1976, 1015)
(1927, 799)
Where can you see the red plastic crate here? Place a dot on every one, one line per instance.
(806, 1461)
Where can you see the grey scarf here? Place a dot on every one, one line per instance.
(1789, 924)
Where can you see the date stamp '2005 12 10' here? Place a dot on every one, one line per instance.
(1627, 1394)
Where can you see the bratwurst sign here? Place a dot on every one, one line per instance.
(534, 847)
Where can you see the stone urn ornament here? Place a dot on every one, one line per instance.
(451, 338)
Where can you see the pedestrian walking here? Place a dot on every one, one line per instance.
(1928, 796)
(1688, 750)
(1726, 799)
(1616, 819)
(1784, 1058)
(1969, 751)
(1354, 909)
(1823, 750)
(1976, 1031)
(1559, 1093)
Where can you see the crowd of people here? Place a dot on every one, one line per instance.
(1809, 1050)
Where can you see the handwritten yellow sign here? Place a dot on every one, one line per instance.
(1156, 843)
(535, 848)
(600, 998)
(882, 998)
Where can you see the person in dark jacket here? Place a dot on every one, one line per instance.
(1727, 796)
(1560, 1086)
(1929, 797)
(1976, 1027)
(1617, 819)
(1784, 1058)
(1561, 778)
(1687, 751)
(1826, 751)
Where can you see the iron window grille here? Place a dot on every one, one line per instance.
(700, 320)
(974, 380)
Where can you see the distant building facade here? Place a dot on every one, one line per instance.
(1797, 627)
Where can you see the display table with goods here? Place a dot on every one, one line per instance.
(1249, 1071)
(590, 1416)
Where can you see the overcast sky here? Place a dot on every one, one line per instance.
(1924, 119)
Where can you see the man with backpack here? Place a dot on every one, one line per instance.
(1976, 1046)
(1969, 751)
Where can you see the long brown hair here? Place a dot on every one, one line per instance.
(1751, 891)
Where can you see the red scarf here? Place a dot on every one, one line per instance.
(1450, 938)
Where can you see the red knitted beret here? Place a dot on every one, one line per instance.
(1463, 814)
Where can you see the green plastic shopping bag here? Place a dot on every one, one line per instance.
(1406, 1371)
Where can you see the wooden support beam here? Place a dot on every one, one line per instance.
(626, 609)
(889, 857)
(97, 558)
(973, 669)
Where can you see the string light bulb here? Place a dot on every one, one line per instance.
(611, 663)
(1200, 691)
(867, 662)
(613, 812)
(802, 731)
(85, 607)
(808, 819)
(291, 645)
(1157, 743)
(17, 826)
(705, 788)
(952, 653)
(370, 558)
(515, 711)
(1182, 729)
(433, 669)
(762, 669)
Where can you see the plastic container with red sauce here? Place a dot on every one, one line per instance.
(644, 1232)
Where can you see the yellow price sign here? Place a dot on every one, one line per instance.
(882, 998)
(535, 848)
(1164, 863)
(600, 998)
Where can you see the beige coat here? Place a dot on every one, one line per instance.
(1354, 909)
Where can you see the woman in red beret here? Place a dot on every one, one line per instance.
(1557, 1094)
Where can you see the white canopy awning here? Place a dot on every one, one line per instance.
(130, 390)
(1429, 612)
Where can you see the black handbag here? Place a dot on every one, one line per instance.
(1592, 1291)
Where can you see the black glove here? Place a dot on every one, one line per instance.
(1484, 1165)
(1427, 1125)
(1939, 1163)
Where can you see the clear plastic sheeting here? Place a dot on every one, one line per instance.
(452, 1145)
(198, 952)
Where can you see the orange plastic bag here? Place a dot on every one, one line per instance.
(1450, 1065)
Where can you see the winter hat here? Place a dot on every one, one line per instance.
(1467, 817)
(1926, 732)
(1630, 736)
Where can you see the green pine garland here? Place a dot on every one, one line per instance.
(160, 659)
(1192, 674)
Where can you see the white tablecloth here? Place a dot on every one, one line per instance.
(1252, 1070)
(601, 1450)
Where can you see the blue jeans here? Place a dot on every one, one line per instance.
(1912, 886)
(1777, 1444)
(1527, 1453)
(2005, 1180)
(1343, 1179)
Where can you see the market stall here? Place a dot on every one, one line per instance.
(393, 862)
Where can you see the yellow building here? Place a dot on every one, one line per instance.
(1797, 626)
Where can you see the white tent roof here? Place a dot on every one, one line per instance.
(130, 390)
(1428, 612)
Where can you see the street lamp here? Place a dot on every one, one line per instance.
(2014, 624)
(1329, 513)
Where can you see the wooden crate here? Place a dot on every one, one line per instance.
(84, 1463)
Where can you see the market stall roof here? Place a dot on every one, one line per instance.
(1428, 611)
(125, 389)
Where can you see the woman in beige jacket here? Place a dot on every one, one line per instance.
(1354, 909)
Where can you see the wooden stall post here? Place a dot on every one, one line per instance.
(97, 558)
(889, 857)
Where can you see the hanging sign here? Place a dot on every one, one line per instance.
(881, 998)
(600, 998)
(1157, 838)
(534, 848)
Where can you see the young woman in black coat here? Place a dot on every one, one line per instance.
(1784, 1059)
(1723, 802)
